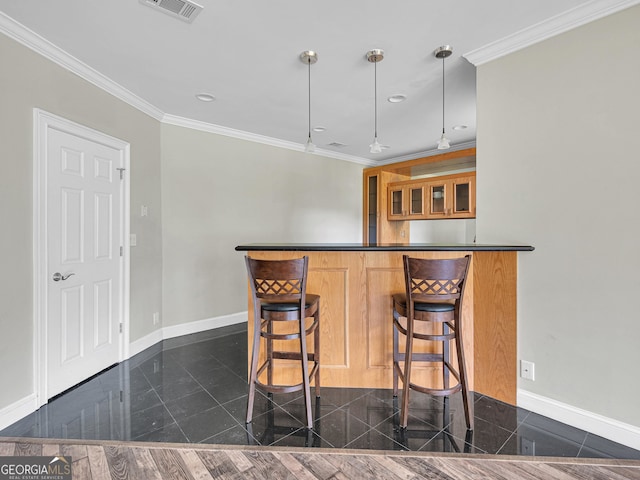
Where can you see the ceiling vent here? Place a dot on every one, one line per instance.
(181, 9)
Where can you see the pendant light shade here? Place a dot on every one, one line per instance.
(375, 56)
(309, 57)
(443, 143)
(309, 146)
(443, 52)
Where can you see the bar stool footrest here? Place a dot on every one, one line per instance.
(436, 392)
(284, 388)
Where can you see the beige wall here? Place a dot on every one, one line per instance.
(28, 80)
(558, 168)
(219, 192)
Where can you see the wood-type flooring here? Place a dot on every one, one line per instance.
(103, 460)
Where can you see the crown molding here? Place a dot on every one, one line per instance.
(254, 137)
(38, 44)
(576, 17)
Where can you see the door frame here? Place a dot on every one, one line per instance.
(42, 122)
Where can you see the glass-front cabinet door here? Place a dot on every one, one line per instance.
(372, 209)
(416, 202)
(396, 203)
(464, 197)
(438, 199)
(461, 198)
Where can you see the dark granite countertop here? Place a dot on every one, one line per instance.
(381, 247)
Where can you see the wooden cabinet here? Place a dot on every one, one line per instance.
(406, 202)
(397, 193)
(451, 196)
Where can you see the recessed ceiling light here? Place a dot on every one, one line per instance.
(205, 97)
(397, 98)
(319, 129)
(459, 127)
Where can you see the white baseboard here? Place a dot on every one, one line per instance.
(615, 430)
(185, 329)
(14, 412)
(202, 325)
(145, 342)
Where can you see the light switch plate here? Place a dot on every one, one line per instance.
(133, 240)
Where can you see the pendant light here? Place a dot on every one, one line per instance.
(309, 57)
(443, 52)
(375, 56)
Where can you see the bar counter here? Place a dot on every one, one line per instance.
(356, 282)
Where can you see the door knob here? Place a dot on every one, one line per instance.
(58, 276)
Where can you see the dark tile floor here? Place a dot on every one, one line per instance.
(194, 389)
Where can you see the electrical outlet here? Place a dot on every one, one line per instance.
(133, 240)
(527, 370)
(527, 447)
(156, 318)
(144, 210)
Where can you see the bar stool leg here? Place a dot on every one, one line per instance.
(254, 366)
(445, 356)
(467, 402)
(396, 360)
(408, 356)
(316, 351)
(304, 358)
(446, 417)
(269, 353)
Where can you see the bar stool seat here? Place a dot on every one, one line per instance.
(311, 300)
(434, 293)
(278, 290)
(400, 301)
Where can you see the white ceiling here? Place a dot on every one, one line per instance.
(246, 54)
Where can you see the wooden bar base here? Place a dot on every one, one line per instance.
(356, 318)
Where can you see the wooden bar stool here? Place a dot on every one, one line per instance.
(434, 293)
(278, 289)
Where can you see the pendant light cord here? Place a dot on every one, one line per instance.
(375, 99)
(443, 95)
(309, 76)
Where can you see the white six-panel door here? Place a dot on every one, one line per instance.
(83, 263)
